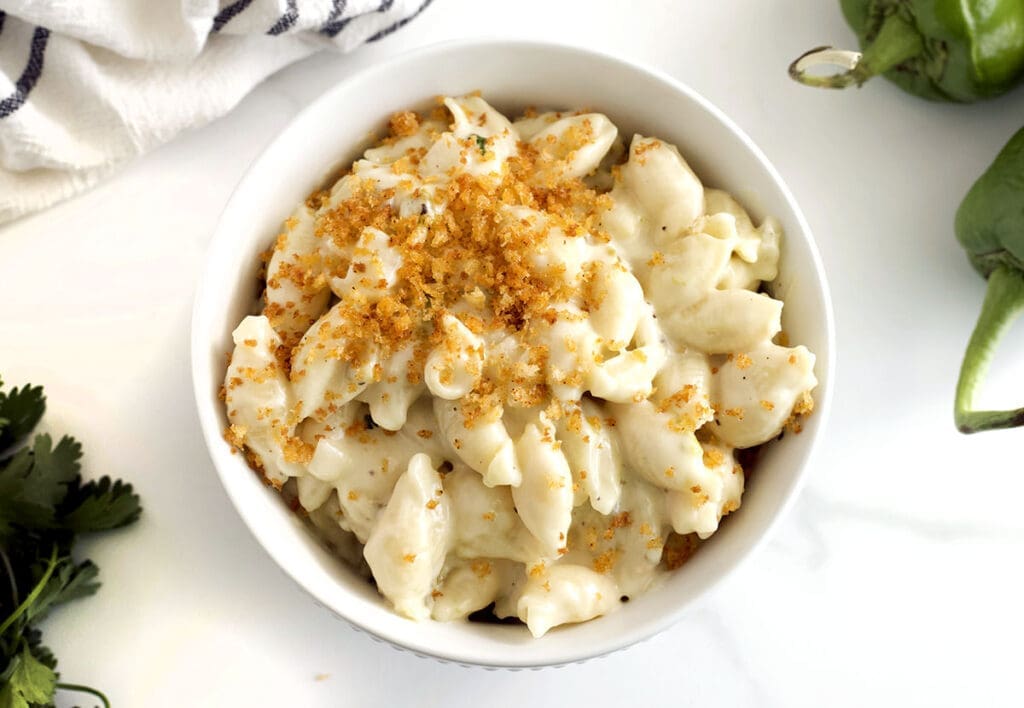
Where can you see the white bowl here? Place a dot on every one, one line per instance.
(330, 133)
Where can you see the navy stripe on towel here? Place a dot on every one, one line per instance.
(286, 21)
(226, 15)
(27, 81)
(401, 23)
(334, 25)
(333, 29)
(337, 10)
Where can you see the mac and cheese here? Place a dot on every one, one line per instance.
(512, 361)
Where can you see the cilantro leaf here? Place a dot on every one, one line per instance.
(17, 504)
(35, 644)
(53, 468)
(481, 143)
(68, 582)
(34, 481)
(99, 505)
(20, 411)
(31, 682)
(8, 699)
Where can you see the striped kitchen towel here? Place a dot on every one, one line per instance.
(85, 86)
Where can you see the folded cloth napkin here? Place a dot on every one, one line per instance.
(85, 86)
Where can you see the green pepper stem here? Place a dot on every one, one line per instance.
(896, 41)
(1004, 300)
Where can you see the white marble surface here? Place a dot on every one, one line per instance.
(896, 579)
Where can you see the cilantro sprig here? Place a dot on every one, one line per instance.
(44, 505)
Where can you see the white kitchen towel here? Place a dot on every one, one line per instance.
(86, 86)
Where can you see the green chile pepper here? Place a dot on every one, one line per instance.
(990, 227)
(943, 50)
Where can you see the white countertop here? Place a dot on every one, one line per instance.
(895, 580)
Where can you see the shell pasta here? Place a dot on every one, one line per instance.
(512, 363)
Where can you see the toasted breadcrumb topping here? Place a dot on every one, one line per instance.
(801, 410)
(605, 562)
(404, 123)
(473, 249)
